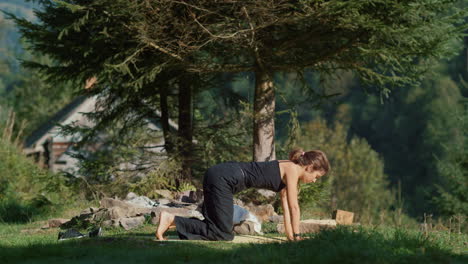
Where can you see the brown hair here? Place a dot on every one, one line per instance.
(316, 158)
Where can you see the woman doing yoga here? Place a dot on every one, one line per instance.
(222, 181)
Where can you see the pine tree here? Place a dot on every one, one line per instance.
(127, 44)
(452, 191)
(357, 181)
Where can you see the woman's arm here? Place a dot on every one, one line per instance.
(293, 204)
(287, 218)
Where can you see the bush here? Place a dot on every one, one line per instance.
(26, 191)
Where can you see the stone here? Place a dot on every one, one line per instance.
(196, 196)
(163, 201)
(238, 202)
(125, 209)
(141, 201)
(245, 228)
(82, 220)
(343, 217)
(262, 212)
(267, 193)
(189, 196)
(117, 212)
(130, 196)
(110, 202)
(131, 222)
(311, 226)
(183, 197)
(165, 194)
(107, 223)
(56, 222)
(89, 210)
(276, 219)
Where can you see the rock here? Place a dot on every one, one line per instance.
(276, 219)
(109, 202)
(56, 222)
(107, 223)
(117, 212)
(101, 215)
(343, 217)
(262, 212)
(245, 228)
(267, 193)
(131, 222)
(80, 221)
(125, 208)
(197, 196)
(130, 196)
(189, 196)
(238, 202)
(165, 194)
(141, 201)
(163, 201)
(183, 197)
(89, 210)
(311, 226)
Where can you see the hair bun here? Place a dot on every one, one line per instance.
(316, 158)
(296, 155)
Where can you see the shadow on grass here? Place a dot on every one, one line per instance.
(342, 245)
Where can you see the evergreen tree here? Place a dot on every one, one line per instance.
(452, 191)
(126, 44)
(357, 181)
(411, 130)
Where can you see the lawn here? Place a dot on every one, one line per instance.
(25, 243)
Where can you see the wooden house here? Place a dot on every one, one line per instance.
(52, 150)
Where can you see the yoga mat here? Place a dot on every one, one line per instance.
(237, 239)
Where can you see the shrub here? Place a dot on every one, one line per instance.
(26, 191)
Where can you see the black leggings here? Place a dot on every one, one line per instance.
(219, 185)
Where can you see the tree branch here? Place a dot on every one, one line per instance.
(163, 50)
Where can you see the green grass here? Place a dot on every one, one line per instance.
(343, 245)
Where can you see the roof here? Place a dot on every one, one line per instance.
(66, 112)
(59, 117)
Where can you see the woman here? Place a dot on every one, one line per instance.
(222, 181)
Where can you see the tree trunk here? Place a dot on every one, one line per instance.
(168, 144)
(264, 117)
(185, 124)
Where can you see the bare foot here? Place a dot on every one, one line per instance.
(166, 220)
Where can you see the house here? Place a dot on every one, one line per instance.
(52, 150)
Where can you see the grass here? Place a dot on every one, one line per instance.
(25, 243)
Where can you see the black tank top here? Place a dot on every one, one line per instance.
(265, 175)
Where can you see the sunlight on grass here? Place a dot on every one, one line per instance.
(27, 242)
